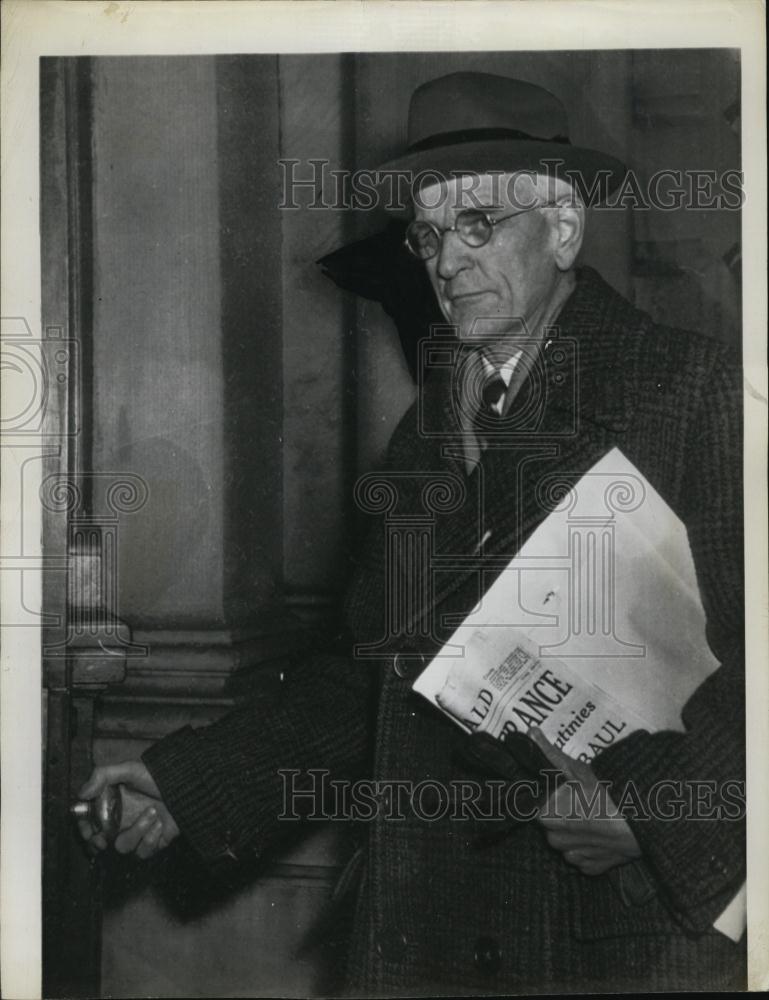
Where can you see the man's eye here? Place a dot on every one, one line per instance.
(474, 225)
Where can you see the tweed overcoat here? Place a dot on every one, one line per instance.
(440, 909)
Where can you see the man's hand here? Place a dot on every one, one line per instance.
(147, 826)
(592, 843)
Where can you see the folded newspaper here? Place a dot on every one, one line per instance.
(595, 629)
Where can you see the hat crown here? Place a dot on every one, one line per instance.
(467, 101)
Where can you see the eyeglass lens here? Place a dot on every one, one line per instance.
(472, 226)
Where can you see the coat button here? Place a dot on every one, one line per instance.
(717, 867)
(385, 800)
(488, 956)
(391, 944)
(407, 666)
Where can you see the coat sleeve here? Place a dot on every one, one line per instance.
(698, 853)
(226, 784)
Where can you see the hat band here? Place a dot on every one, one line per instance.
(479, 135)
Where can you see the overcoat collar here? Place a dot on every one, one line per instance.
(589, 401)
(604, 329)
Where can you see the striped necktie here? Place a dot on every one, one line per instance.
(492, 394)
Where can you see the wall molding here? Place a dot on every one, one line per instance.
(192, 677)
(200, 663)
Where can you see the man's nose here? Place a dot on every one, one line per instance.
(452, 255)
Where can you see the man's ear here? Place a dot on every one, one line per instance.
(569, 232)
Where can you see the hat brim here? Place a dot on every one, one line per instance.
(594, 174)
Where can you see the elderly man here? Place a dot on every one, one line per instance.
(442, 905)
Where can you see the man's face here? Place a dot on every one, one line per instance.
(508, 280)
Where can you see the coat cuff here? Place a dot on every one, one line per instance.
(698, 863)
(181, 765)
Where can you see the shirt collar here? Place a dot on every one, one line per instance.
(505, 370)
(607, 331)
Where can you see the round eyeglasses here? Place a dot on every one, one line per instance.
(473, 226)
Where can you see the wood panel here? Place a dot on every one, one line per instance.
(158, 376)
(251, 407)
(319, 370)
(209, 317)
(686, 118)
(76, 667)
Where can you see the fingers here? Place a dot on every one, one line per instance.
(132, 773)
(591, 850)
(170, 830)
(588, 832)
(593, 863)
(556, 757)
(576, 801)
(145, 837)
(581, 840)
(95, 784)
(577, 770)
(95, 840)
(612, 832)
(128, 840)
(109, 774)
(152, 832)
(135, 804)
(152, 841)
(146, 824)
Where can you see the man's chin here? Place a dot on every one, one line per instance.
(477, 319)
(485, 329)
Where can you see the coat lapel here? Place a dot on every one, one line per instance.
(584, 400)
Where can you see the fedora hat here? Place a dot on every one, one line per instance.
(476, 123)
